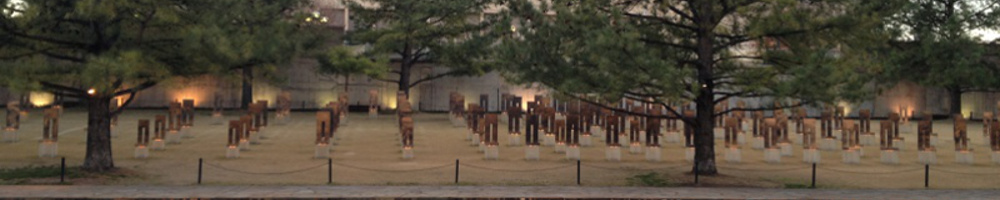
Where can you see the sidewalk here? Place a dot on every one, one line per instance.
(473, 192)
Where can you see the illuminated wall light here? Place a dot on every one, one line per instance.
(40, 99)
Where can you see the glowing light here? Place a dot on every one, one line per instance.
(92, 91)
(323, 20)
(40, 99)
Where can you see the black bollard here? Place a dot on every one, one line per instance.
(577, 172)
(927, 175)
(200, 161)
(813, 177)
(329, 170)
(62, 171)
(456, 171)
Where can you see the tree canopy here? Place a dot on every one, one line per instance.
(934, 47)
(119, 48)
(452, 34)
(704, 52)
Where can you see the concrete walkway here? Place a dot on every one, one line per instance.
(473, 192)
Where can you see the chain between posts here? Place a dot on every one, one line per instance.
(763, 170)
(394, 171)
(632, 168)
(963, 173)
(265, 173)
(518, 170)
(872, 173)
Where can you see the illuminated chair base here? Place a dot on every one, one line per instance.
(481, 147)
(255, 137)
(473, 138)
(281, 119)
(654, 154)
(869, 140)
(457, 122)
(158, 145)
(48, 149)
(573, 153)
(173, 137)
(772, 155)
(719, 133)
(890, 157)
(635, 148)
(492, 152)
(549, 140)
(734, 155)
(344, 120)
(217, 119)
(613, 153)
(322, 151)
(786, 149)
(898, 144)
(757, 143)
(741, 138)
(927, 157)
(851, 156)
(232, 152)
(244, 145)
(623, 140)
(811, 156)
(596, 130)
(796, 138)
(964, 157)
(141, 152)
(560, 147)
(689, 154)
(187, 132)
(829, 144)
(514, 140)
(586, 141)
(531, 152)
(408, 153)
(372, 114)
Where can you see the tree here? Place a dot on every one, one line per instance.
(453, 34)
(254, 38)
(704, 52)
(934, 47)
(112, 48)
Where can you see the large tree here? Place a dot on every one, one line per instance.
(112, 48)
(254, 38)
(704, 52)
(452, 34)
(935, 47)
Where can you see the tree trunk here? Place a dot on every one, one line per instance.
(404, 78)
(247, 96)
(704, 141)
(98, 158)
(956, 101)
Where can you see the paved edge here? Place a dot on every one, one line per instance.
(475, 192)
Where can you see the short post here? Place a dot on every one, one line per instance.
(329, 171)
(577, 172)
(813, 185)
(696, 172)
(200, 161)
(62, 171)
(927, 175)
(456, 171)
